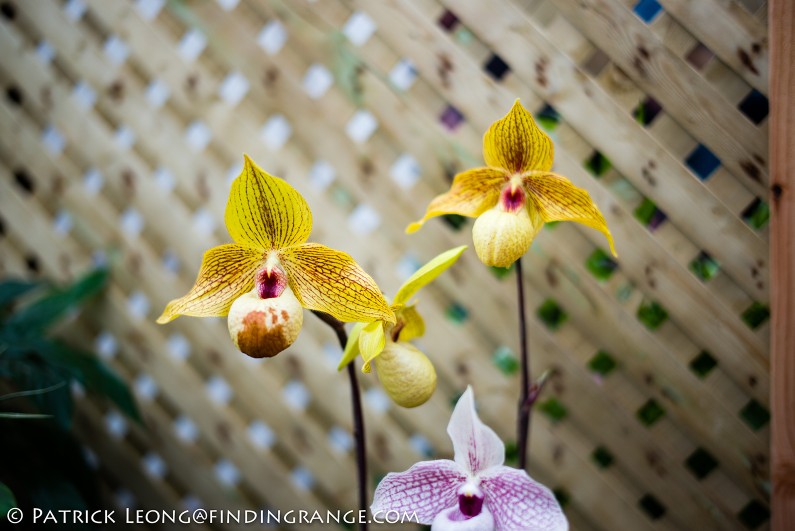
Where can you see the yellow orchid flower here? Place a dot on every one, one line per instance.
(264, 279)
(516, 193)
(405, 372)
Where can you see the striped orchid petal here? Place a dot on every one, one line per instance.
(520, 504)
(264, 211)
(427, 488)
(331, 281)
(226, 273)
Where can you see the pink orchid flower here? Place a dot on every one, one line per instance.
(476, 492)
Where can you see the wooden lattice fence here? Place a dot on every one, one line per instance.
(123, 123)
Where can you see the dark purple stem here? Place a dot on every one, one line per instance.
(358, 418)
(525, 403)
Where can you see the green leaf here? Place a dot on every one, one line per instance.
(7, 500)
(506, 360)
(32, 392)
(652, 314)
(553, 409)
(455, 221)
(598, 164)
(28, 370)
(601, 264)
(11, 290)
(351, 347)
(372, 341)
(427, 273)
(91, 372)
(31, 320)
(16, 415)
(645, 211)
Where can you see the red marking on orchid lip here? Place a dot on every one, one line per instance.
(271, 284)
(512, 198)
(470, 505)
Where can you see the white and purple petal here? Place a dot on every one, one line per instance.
(476, 446)
(426, 489)
(518, 503)
(453, 520)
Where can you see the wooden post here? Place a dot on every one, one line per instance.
(782, 252)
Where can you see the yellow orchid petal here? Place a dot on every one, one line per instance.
(517, 144)
(264, 211)
(227, 272)
(427, 273)
(413, 323)
(473, 192)
(351, 347)
(371, 342)
(557, 199)
(332, 282)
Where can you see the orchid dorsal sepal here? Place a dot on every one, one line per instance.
(427, 274)
(475, 491)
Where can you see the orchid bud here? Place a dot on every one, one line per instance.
(406, 373)
(261, 328)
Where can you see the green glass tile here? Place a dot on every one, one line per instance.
(652, 314)
(704, 266)
(652, 507)
(548, 118)
(464, 36)
(754, 514)
(645, 211)
(624, 292)
(602, 456)
(456, 313)
(703, 364)
(756, 315)
(511, 453)
(501, 272)
(701, 463)
(551, 314)
(600, 264)
(602, 363)
(454, 400)
(562, 495)
(598, 164)
(506, 361)
(757, 214)
(455, 221)
(553, 409)
(650, 413)
(755, 415)
(341, 197)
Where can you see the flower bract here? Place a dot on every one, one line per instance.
(515, 193)
(264, 279)
(405, 372)
(475, 491)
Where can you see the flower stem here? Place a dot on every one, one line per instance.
(358, 418)
(525, 404)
